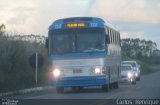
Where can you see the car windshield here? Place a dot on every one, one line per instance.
(77, 40)
(133, 64)
(125, 68)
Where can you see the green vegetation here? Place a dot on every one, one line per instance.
(145, 68)
(145, 52)
(15, 71)
(15, 51)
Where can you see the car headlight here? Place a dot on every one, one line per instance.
(129, 74)
(56, 72)
(97, 70)
(136, 74)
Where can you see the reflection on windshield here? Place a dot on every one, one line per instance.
(91, 41)
(77, 41)
(63, 43)
(125, 68)
(133, 64)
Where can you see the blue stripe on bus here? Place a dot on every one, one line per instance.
(81, 81)
(78, 55)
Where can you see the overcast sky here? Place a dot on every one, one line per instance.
(134, 18)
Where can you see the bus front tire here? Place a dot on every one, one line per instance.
(80, 88)
(60, 89)
(105, 88)
(77, 88)
(115, 85)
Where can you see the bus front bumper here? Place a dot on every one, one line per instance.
(81, 81)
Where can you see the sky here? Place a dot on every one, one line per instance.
(134, 18)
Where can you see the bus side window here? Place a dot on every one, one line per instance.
(111, 41)
(107, 37)
(116, 38)
(119, 39)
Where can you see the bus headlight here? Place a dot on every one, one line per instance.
(129, 74)
(100, 70)
(97, 70)
(56, 72)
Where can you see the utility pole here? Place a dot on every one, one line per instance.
(36, 66)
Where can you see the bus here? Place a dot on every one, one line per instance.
(84, 51)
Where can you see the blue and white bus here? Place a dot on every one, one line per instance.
(84, 51)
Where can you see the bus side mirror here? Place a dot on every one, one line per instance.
(46, 44)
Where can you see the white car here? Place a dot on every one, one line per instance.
(135, 67)
(127, 74)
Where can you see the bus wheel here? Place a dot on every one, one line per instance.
(115, 85)
(60, 89)
(105, 88)
(110, 85)
(80, 88)
(74, 88)
(77, 88)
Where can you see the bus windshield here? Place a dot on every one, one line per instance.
(77, 40)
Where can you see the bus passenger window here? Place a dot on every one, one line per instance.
(107, 39)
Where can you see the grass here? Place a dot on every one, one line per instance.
(145, 68)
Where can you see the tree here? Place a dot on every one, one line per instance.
(2, 28)
(141, 50)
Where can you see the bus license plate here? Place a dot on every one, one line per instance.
(76, 71)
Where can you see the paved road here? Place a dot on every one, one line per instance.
(147, 88)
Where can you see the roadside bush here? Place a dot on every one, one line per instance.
(15, 71)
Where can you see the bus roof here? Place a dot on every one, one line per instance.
(82, 19)
(79, 19)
